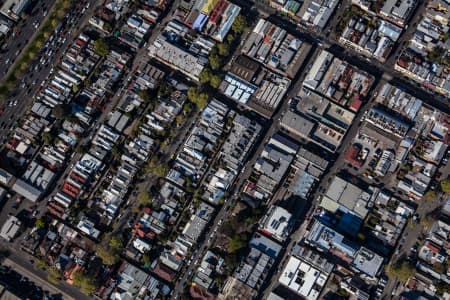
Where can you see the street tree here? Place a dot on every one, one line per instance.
(236, 243)
(401, 270)
(88, 284)
(215, 81)
(239, 24)
(223, 49)
(205, 75)
(215, 61)
(198, 98)
(145, 198)
(445, 185)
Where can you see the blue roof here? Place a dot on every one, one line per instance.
(200, 22)
(349, 224)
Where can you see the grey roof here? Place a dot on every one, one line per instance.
(26, 190)
(297, 124)
(367, 262)
(313, 158)
(312, 257)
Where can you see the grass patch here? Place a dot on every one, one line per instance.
(60, 9)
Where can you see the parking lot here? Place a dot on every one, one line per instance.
(371, 144)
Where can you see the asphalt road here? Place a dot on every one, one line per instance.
(22, 263)
(21, 34)
(36, 279)
(23, 96)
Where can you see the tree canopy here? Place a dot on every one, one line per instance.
(109, 251)
(205, 75)
(445, 185)
(223, 49)
(215, 81)
(198, 98)
(239, 24)
(236, 243)
(215, 61)
(101, 47)
(145, 198)
(402, 271)
(88, 284)
(430, 195)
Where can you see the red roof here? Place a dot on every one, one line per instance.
(218, 11)
(351, 156)
(432, 247)
(356, 103)
(164, 272)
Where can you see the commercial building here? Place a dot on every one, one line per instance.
(276, 223)
(275, 48)
(398, 12)
(337, 80)
(10, 228)
(373, 42)
(316, 13)
(133, 282)
(367, 262)
(347, 197)
(197, 223)
(13, 9)
(303, 278)
(386, 121)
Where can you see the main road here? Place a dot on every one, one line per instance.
(32, 79)
(22, 33)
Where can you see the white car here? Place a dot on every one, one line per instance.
(15, 102)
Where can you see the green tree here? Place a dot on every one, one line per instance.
(39, 223)
(427, 222)
(215, 61)
(164, 89)
(107, 27)
(47, 138)
(161, 170)
(108, 255)
(145, 198)
(236, 243)
(401, 270)
(198, 98)
(144, 95)
(205, 75)
(223, 49)
(88, 284)
(442, 287)
(239, 24)
(116, 244)
(445, 185)
(230, 38)
(215, 81)
(101, 47)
